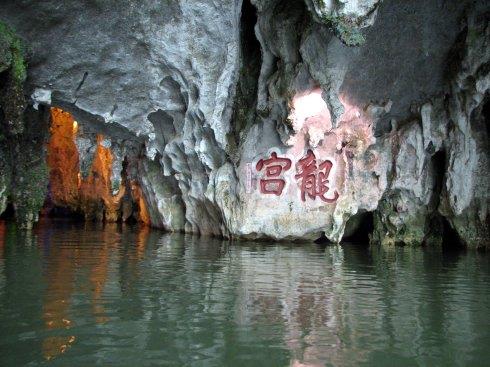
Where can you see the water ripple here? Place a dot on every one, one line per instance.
(88, 295)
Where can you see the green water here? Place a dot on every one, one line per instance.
(78, 295)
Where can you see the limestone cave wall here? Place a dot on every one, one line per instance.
(257, 118)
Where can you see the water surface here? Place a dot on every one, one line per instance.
(83, 295)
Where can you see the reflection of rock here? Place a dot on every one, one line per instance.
(63, 288)
(188, 96)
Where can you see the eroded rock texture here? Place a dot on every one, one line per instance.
(23, 171)
(274, 119)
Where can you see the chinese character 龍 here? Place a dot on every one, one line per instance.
(314, 179)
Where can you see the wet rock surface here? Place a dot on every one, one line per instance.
(272, 119)
(23, 130)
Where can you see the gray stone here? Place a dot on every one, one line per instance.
(192, 95)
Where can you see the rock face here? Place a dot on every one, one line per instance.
(273, 119)
(23, 171)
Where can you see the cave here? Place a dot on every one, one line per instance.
(90, 195)
(250, 44)
(244, 183)
(358, 228)
(192, 111)
(451, 240)
(486, 113)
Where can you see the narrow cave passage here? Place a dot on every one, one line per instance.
(440, 225)
(91, 195)
(63, 163)
(359, 228)
(250, 44)
(251, 59)
(451, 241)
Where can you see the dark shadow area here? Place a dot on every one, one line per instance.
(439, 165)
(250, 44)
(358, 228)
(59, 212)
(451, 242)
(9, 213)
(357, 231)
(246, 92)
(323, 241)
(415, 37)
(486, 113)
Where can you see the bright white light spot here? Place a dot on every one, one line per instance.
(309, 105)
(310, 115)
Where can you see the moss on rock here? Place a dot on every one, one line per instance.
(396, 226)
(13, 63)
(13, 53)
(345, 29)
(29, 193)
(5, 178)
(23, 170)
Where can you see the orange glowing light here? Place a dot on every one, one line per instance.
(63, 160)
(144, 215)
(91, 195)
(97, 187)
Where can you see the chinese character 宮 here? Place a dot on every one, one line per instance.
(313, 178)
(274, 166)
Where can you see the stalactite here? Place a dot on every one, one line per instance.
(63, 160)
(91, 196)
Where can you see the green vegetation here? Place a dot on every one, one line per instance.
(29, 193)
(406, 228)
(14, 53)
(345, 29)
(23, 167)
(12, 62)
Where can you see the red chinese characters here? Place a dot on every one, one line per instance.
(274, 166)
(314, 179)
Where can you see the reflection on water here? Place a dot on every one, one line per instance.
(81, 295)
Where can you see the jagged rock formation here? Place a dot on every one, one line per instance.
(352, 108)
(87, 175)
(441, 164)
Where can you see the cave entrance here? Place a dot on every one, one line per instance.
(63, 163)
(88, 194)
(451, 241)
(358, 228)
